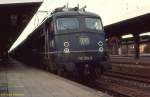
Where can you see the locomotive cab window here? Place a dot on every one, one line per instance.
(67, 24)
(93, 23)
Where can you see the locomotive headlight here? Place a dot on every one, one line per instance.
(101, 49)
(66, 50)
(66, 44)
(100, 43)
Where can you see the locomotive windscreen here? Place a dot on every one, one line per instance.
(93, 23)
(77, 23)
(67, 24)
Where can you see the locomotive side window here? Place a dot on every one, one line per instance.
(67, 23)
(93, 23)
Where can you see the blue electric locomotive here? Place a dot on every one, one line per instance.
(72, 40)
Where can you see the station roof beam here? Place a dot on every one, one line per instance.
(15, 15)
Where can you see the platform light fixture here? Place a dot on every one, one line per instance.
(127, 36)
(145, 34)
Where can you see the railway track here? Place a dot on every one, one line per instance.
(131, 77)
(117, 90)
(132, 69)
(124, 83)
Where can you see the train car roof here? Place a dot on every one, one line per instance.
(66, 13)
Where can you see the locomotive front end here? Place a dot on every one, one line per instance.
(78, 36)
(80, 39)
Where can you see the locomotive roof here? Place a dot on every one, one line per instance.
(66, 13)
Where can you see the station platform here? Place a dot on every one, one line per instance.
(20, 80)
(131, 60)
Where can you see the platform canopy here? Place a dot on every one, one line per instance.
(15, 15)
(18, 1)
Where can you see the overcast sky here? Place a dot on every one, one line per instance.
(111, 11)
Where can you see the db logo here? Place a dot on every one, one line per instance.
(84, 41)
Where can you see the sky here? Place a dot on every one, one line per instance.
(111, 11)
